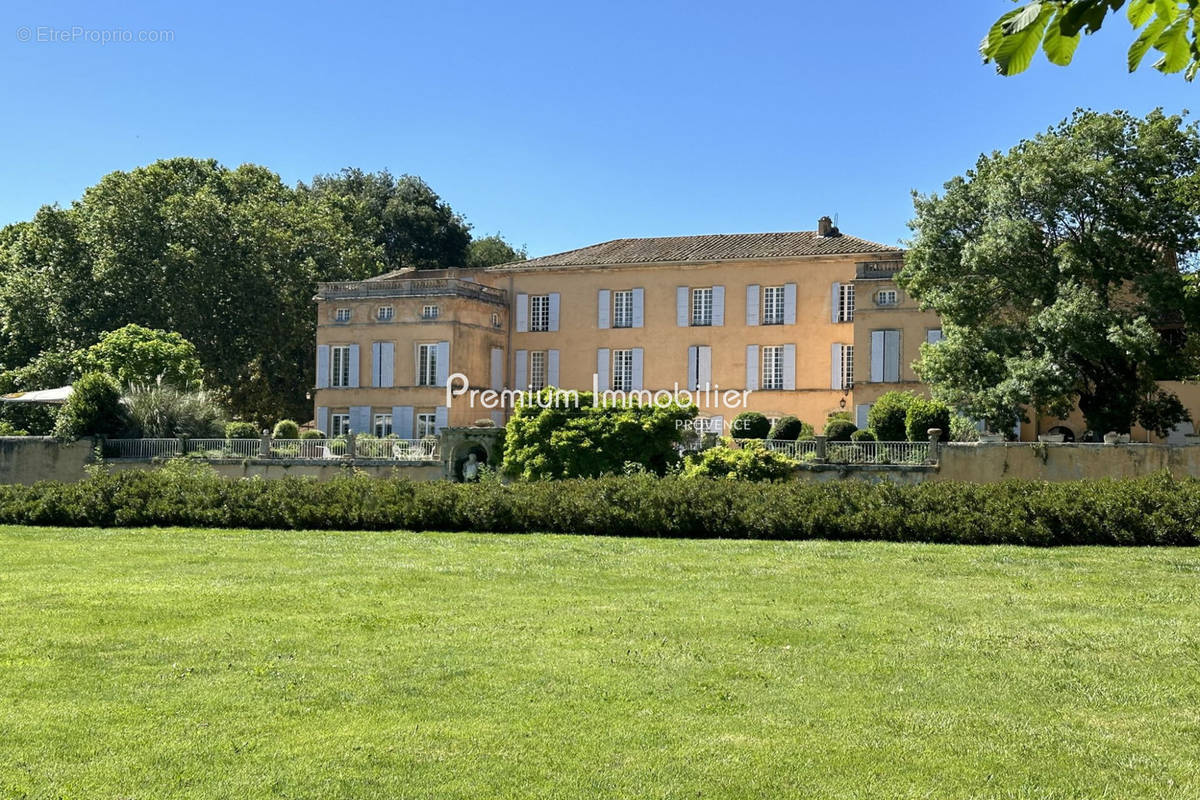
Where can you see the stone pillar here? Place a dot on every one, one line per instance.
(935, 440)
(351, 444)
(264, 444)
(822, 453)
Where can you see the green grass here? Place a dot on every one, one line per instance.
(190, 663)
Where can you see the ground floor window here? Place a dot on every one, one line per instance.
(426, 425)
(339, 424)
(622, 375)
(383, 425)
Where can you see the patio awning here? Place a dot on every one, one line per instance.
(51, 396)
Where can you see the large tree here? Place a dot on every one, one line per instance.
(1055, 269)
(1171, 27)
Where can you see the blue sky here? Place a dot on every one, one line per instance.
(558, 124)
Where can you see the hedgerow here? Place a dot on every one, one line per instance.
(1156, 510)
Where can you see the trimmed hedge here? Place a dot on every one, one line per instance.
(1156, 510)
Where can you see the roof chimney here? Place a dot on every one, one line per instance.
(825, 227)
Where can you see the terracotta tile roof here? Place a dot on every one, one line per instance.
(714, 247)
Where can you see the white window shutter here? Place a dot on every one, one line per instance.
(789, 304)
(789, 366)
(323, 420)
(861, 412)
(602, 368)
(704, 366)
(552, 368)
(522, 313)
(387, 364)
(693, 369)
(521, 371)
(376, 361)
(554, 308)
(637, 368)
(603, 304)
(441, 418)
(891, 366)
(752, 367)
(752, 304)
(835, 370)
(323, 367)
(681, 306)
(360, 419)
(443, 363)
(877, 339)
(402, 421)
(639, 308)
(837, 301)
(497, 368)
(718, 317)
(354, 359)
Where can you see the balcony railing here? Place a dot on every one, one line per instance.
(411, 287)
(363, 449)
(877, 269)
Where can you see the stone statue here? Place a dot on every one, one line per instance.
(471, 468)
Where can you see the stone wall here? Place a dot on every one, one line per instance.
(29, 459)
(990, 462)
(282, 468)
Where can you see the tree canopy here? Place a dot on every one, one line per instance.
(137, 355)
(1169, 27)
(1055, 270)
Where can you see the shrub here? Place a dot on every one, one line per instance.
(286, 429)
(864, 435)
(889, 415)
(162, 411)
(7, 429)
(241, 430)
(555, 439)
(750, 425)
(1156, 510)
(93, 409)
(840, 430)
(925, 414)
(963, 429)
(790, 429)
(751, 462)
(308, 435)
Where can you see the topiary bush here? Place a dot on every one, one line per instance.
(888, 416)
(750, 425)
(864, 435)
(751, 462)
(286, 429)
(93, 409)
(925, 414)
(789, 429)
(308, 435)
(241, 430)
(840, 430)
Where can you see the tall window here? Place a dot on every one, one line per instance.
(772, 367)
(426, 425)
(622, 374)
(623, 309)
(539, 312)
(429, 312)
(537, 370)
(339, 366)
(848, 366)
(342, 315)
(339, 424)
(427, 366)
(846, 303)
(772, 310)
(385, 313)
(702, 306)
(383, 425)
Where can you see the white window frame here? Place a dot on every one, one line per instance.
(539, 312)
(427, 365)
(383, 425)
(702, 307)
(772, 368)
(339, 366)
(848, 366)
(338, 424)
(495, 320)
(773, 302)
(537, 370)
(426, 424)
(385, 313)
(430, 312)
(341, 315)
(846, 302)
(622, 316)
(887, 297)
(622, 370)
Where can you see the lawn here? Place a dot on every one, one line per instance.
(196, 663)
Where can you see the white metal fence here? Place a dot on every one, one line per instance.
(304, 449)
(850, 452)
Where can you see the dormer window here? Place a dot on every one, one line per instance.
(385, 313)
